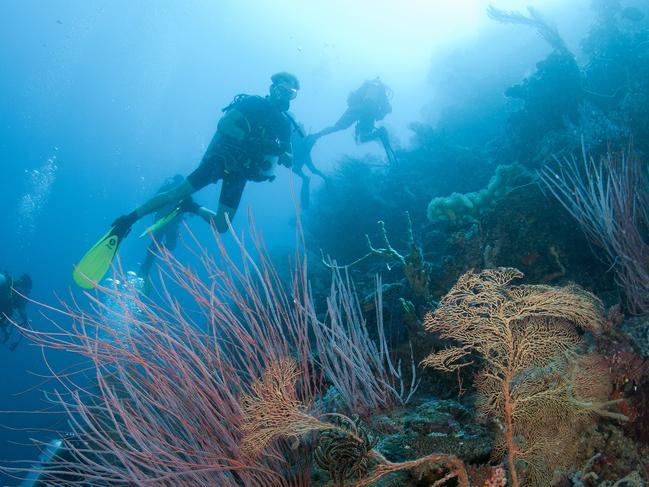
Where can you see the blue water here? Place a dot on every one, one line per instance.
(101, 101)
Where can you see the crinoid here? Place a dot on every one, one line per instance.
(345, 453)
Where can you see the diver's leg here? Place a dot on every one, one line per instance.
(149, 258)
(304, 188)
(203, 175)
(122, 225)
(228, 202)
(365, 130)
(304, 192)
(382, 135)
(174, 195)
(171, 235)
(209, 171)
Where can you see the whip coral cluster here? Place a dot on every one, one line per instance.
(160, 400)
(608, 198)
(167, 383)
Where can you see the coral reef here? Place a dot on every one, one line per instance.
(307, 380)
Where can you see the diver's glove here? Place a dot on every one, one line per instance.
(122, 225)
(188, 205)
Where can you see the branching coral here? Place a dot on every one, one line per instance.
(533, 379)
(415, 268)
(546, 30)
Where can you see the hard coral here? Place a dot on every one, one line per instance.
(470, 205)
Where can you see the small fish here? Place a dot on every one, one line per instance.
(632, 13)
(58, 21)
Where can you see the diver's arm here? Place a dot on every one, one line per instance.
(345, 121)
(328, 130)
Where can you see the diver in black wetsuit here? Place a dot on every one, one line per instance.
(302, 145)
(12, 305)
(252, 137)
(365, 106)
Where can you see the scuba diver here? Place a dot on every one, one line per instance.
(12, 305)
(365, 106)
(302, 145)
(252, 137)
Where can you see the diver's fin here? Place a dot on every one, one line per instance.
(158, 224)
(304, 194)
(93, 266)
(389, 151)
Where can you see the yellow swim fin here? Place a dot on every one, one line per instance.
(161, 222)
(95, 263)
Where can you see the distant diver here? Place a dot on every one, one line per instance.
(166, 226)
(55, 463)
(302, 145)
(12, 305)
(251, 138)
(365, 106)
